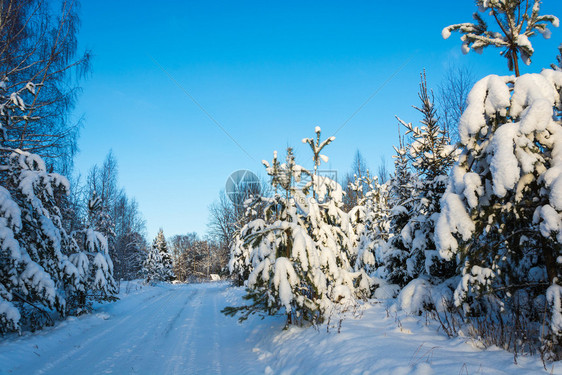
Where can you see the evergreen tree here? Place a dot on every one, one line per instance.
(158, 265)
(100, 275)
(36, 275)
(431, 156)
(152, 265)
(167, 261)
(502, 211)
(299, 252)
(102, 183)
(517, 20)
(371, 222)
(43, 268)
(283, 178)
(401, 198)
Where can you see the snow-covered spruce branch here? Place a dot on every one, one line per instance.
(40, 309)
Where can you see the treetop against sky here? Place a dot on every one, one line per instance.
(263, 75)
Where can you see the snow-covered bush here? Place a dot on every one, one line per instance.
(501, 216)
(299, 252)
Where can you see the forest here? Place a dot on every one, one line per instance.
(464, 228)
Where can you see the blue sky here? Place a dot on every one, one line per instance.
(268, 72)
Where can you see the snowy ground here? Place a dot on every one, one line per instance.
(178, 329)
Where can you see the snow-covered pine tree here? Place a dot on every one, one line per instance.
(431, 156)
(158, 265)
(239, 264)
(100, 272)
(401, 198)
(501, 214)
(102, 182)
(36, 275)
(167, 259)
(283, 177)
(152, 265)
(371, 222)
(35, 271)
(517, 20)
(299, 253)
(76, 292)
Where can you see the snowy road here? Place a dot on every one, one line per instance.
(178, 329)
(173, 329)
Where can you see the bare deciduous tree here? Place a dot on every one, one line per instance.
(181, 246)
(358, 170)
(130, 244)
(38, 50)
(451, 98)
(123, 224)
(223, 220)
(227, 215)
(195, 258)
(383, 172)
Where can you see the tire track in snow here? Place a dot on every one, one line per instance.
(200, 351)
(216, 341)
(184, 346)
(150, 348)
(92, 340)
(172, 321)
(164, 330)
(135, 337)
(192, 351)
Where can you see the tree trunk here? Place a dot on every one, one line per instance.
(549, 254)
(515, 62)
